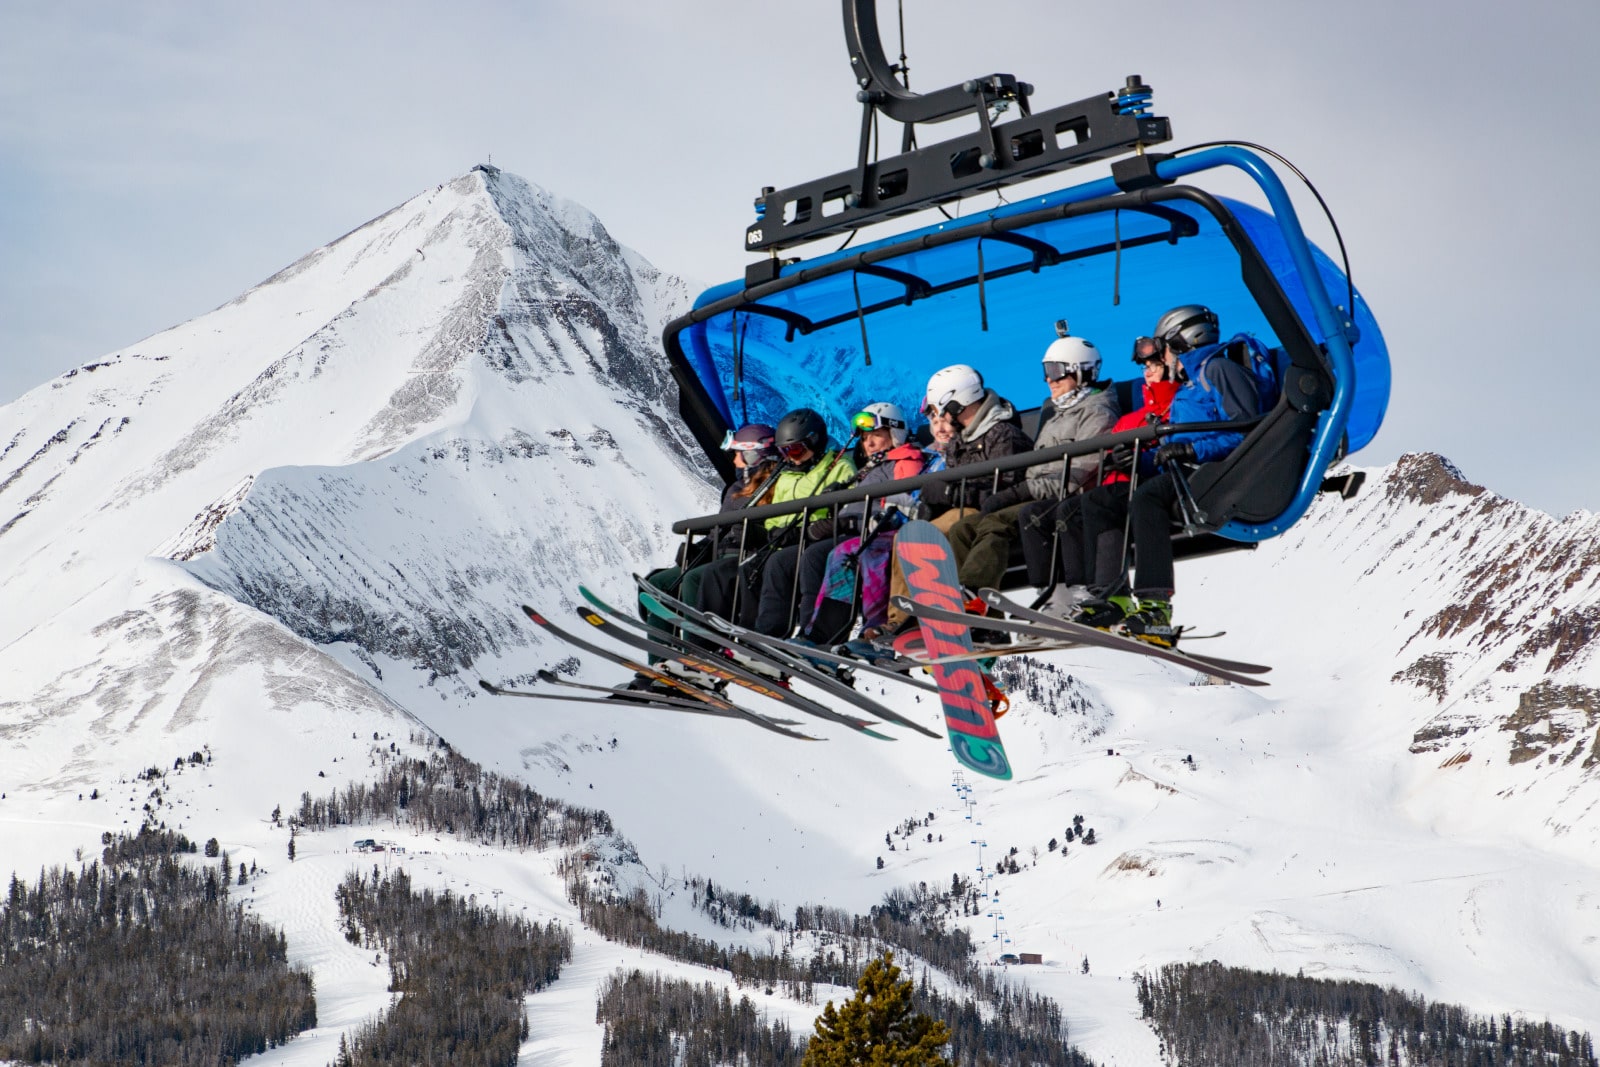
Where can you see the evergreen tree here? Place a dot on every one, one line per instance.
(876, 1027)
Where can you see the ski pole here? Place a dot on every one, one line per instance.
(1127, 519)
(1055, 536)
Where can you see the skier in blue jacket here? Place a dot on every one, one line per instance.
(1213, 388)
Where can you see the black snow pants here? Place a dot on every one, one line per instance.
(1098, 539)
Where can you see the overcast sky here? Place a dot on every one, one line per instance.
(157, 159)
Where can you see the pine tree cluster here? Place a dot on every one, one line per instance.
(1207, 1014)
(461, 970)
(1051, 688)
(992, 1023)
(651, 1021)
(141, 958)
(450, 794)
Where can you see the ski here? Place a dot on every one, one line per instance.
(754, 645)
(929, 567)
(1087, 635)
(636, 700)
(550, 677)
(791, 648)
(717, 667)
(661, 676)
(916, 657)
(775, 659)
(996, 599)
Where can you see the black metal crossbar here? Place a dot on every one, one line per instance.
(966, 473)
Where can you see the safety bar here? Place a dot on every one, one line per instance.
(966, 473)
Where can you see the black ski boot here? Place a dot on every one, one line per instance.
(1104, 613)
(1151, 622)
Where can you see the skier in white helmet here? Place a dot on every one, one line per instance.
(1081, 406)
(987, 427)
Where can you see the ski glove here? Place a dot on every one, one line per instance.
(1175, 452)
(821, 530)
(1119, 460)
(1006, 498)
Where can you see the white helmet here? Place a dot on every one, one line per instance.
(1071, 355)
(883, 416)
(952, 389)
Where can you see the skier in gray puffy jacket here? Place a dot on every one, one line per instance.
(1080, 406)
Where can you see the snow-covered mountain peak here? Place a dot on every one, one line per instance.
(388, 445)
(1427, 478)
(432, 315)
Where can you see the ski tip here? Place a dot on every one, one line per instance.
(874, 733)
(486, 687)
(532, 614)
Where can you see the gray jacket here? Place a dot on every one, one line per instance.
(1079, 415)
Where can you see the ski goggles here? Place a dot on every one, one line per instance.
(1054, 372)
(794, 451)
(868, 420)
(1146, 349)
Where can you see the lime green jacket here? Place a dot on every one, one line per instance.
(797, 485)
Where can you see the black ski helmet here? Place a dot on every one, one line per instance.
(802, 426)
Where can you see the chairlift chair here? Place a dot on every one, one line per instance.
(871, 322)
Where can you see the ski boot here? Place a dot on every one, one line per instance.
(983, 637)
(1065, 600)
(760, 668)
(1151, 622)
(833, 669)
(1105, 613)
(876, 643)
(642, 686)
(692, 675)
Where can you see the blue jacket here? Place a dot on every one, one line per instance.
(1218, 390)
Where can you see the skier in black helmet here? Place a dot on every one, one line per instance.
(796, 575)
(739, 591)
(1212, 389)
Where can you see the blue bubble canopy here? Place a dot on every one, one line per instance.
(872, 323)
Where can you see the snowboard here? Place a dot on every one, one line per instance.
(929, 567)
